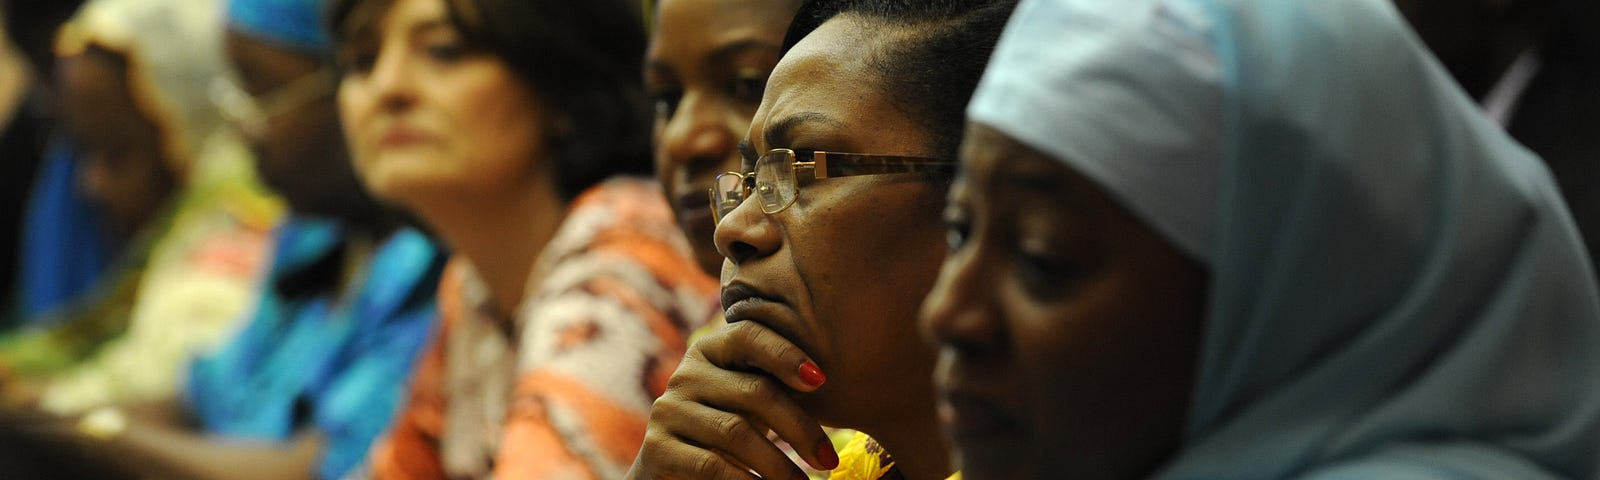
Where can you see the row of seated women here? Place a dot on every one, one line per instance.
(1061, 239)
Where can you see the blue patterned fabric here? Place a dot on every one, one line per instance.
(296, 24)
(63, 251)
(310, 359)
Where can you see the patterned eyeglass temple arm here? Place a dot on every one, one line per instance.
(847, 164)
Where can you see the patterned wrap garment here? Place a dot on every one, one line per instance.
(566, 392)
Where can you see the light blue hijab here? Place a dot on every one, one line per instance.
(1396, 289)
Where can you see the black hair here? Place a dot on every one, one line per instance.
(1578, 23)
(32, 27)
(932, 66)
(580, 58)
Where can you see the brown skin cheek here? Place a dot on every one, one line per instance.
(124, 171)
(1132, 334)
(302, 154)
(127, 194)
(305, 159)
(868, 302)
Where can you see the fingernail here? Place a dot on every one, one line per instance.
(825, 454)
(812, 375)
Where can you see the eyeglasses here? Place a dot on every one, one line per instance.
(776, 176)
(250, 113)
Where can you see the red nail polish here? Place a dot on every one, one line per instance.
(825, 454)
(811, 375)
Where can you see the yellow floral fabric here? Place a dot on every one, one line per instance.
(864, 459)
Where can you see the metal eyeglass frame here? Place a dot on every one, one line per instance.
(250, 113)
(732, 188)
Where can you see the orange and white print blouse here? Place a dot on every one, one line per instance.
(611, 301)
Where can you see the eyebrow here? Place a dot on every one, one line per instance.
(747, 152)
(1058, 188)
(779, 132)
(1030, 181)
(372, 35)
(428, 25)
(724, 53)
(661, 69)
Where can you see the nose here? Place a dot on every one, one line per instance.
(962, 310)
(390, 80)
(700, 137)
(747, 233)
(94, 178)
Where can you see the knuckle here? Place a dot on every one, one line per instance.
(770, 341)
(747, 333)
(690, 372)
(730, 426)
(712, 340)
(677, 380)
(707, 465)
(760, 390)
(664, 406)
(749, 386)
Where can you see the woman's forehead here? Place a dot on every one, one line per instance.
(825, 81)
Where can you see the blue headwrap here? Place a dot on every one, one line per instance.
(1396, 288)
(295, 24)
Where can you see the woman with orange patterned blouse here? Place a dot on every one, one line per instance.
(506, 126)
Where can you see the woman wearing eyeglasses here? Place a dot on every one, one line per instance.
(512, 128)
(319, 370)
(832, 236)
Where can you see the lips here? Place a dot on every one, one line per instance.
(743, 302)
(401, 136)
(973, 404)
(974, 417)
(989, 438)
(740, 296)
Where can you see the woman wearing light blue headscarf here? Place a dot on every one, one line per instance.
(1366, 277)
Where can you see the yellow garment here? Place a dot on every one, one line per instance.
(864, 459)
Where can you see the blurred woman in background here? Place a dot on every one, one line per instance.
(160, 163)
(705, 70)
(510, 127)
(315, 374)
(319, 370)
(49, 239)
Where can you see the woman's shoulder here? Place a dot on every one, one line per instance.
(622, 229)
(620, 206)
